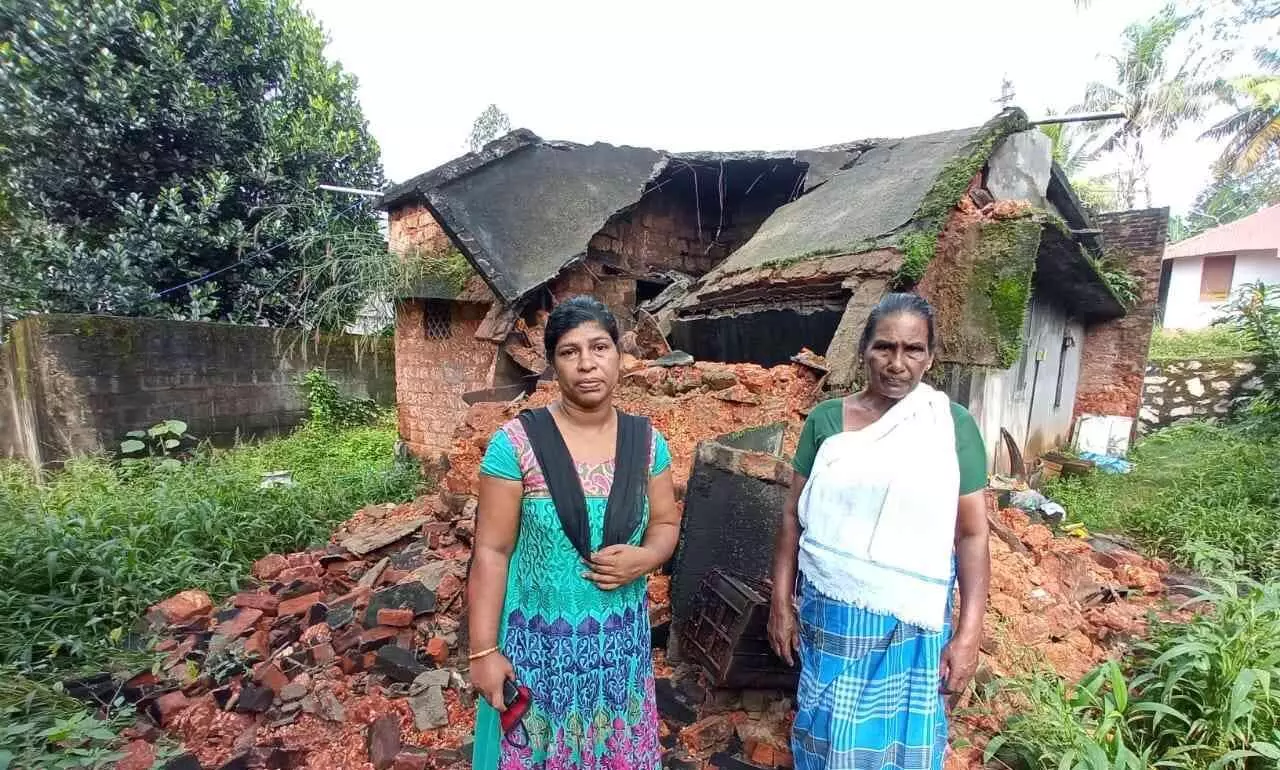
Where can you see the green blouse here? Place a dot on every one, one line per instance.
(827, 419)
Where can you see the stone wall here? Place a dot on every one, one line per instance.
(78, 383)
(1195, 389)
(1114, 354)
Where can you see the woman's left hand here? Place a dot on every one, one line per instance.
(618, 565)
(959, 663)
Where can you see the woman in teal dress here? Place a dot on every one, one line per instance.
(576, 508)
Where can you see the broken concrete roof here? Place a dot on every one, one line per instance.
(523, 208)
(875, 196)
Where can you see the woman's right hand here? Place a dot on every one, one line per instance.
(784, 630)
(489, 674)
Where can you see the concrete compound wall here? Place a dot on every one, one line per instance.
(76, 384)
(1115, 353)
(1195, 389)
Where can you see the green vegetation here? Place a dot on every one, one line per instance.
(1214, 342)
(920, 243)
(89, 547)
(1199, 695)
(146, 144)
(86, 551)
(329, 407)
(1191, 486)
(1123, 284)
(1007, 250)
(441, 275)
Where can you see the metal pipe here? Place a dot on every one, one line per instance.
(351, 190)
(1084, 118)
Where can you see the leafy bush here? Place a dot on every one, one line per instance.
(166, 442)
(1255, 314)
(330, 407)
(85, 552)
(1198, 695)
(1214, 342)
(1191, 486)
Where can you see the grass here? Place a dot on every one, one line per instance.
(85, 552)
(1214, 342)
(1192, 486)
(1198, 695)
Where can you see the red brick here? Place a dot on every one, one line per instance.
(243, 622)
(707, 734)
(257, 645)
(449, 587)
(322, 653)
(377, 636)
(182, 608)
(391, 576)
(258, 600)
(270, 675)
(412, 761)
(305, 572)
(169, 706)
(298, 605)
(438, 650)
(266, 568)
(352, 663)
(400, 618)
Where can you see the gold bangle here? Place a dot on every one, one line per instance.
(482, 653)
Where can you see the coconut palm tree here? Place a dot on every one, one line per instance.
(1155, 95)
(1252, 131)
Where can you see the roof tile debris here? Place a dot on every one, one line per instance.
(339, 693)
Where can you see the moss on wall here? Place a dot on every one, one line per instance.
(1001, 286)
(440, 275)
(920, 241)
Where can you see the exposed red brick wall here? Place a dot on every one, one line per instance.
(432, 374)
(662, 231)
(618, 293)
(411, 227)
(1114, 356)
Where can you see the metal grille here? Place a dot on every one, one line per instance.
(437, 320)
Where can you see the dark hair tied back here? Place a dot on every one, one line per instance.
(891, 305)
(575, 312)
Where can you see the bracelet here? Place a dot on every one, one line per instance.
(482, 653)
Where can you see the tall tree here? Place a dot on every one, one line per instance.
(148, 144)
(1232, 196)
(489, 125)
(1156, 96)
(1252, 131)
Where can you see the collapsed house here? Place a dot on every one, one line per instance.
(750, 257)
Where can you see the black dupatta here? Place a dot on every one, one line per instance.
(625, 508)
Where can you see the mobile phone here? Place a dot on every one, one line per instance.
(509, 693)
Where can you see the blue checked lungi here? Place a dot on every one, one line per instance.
(870, 690)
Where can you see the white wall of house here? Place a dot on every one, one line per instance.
(1029, 401)
(1184, 308)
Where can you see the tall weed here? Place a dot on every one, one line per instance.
(1200, 695)
(1192, 486)
(85, 552)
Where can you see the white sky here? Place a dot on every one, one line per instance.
(717, 75)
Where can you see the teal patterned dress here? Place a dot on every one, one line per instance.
(585, 654)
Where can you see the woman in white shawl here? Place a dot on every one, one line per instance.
(886, 511)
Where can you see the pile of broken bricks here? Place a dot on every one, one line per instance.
(380, 611)
(353, 656)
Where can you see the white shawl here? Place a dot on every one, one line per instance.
(878, 512)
